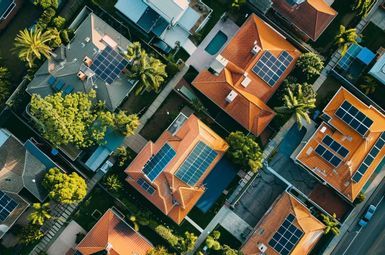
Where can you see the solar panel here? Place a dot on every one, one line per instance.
(346, 61)
(145, 185)
(354, 118)
(270, 69)
(7, 205)
(286, 237)
(335, 146)
(196, 163)
(373, 153)
(327, 155)
(156, 164)
(108, 64)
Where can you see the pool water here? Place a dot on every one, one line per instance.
(216, 43)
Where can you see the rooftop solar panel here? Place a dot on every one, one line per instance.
(7, 205)
(335, 146)
(196, 164)
(369, 158)
(156, 164)
(286, 237)
(146, 186)
(354, 118)
(108, 64)
(327, 155)
(270, 69)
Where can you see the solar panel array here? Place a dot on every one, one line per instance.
(347, 60)
(108, 64)
(156, 164)
(287, 236)
(369, 158)
(270, 69)
(7, 205)
(145, 185)
(196, 164)
(327, 155)
(335, 146)
(354, 118)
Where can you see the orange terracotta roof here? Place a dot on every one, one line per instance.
(172, 196)
(340, 178)
(113, 234)
(287, 204)
(312, 17)
(249, 107)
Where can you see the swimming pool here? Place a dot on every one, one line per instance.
(216, 182)
(216, 43)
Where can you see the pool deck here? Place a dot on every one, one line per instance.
(201, 59)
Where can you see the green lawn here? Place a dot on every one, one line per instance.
(373, 37)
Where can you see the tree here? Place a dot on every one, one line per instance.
(345, 38)
(244, 151)
(64, 188)
(331, 224)
(126, 124)
(363, 7)
(46, 17)
(360, 198)
(134, 222)
(32, 44)
(237, 4)
(212, 241)
(227, 250)
(158, 250)
(167, 235)
(297, 102)
(187, 243)
(30, 234)
(121, 154)
(56, 42)
(113, 183)
(135, 52)
(40, 214)
(368, 85)
(46, 3)
(59, 22)
(310, 64)
(4, 84)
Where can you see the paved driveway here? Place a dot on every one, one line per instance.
(66, 240)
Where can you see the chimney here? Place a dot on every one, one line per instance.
(231, 96)
(87, 61)
(255, 50)
(82, 76)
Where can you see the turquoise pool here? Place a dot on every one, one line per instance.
(216, 43)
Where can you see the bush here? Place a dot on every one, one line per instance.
(47, 3)
(171, 69)
(59, 22)
(31, 234)
(311, 65)
(47, 16)
(64, 36)
(167, 235)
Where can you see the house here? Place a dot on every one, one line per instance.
(172, 21)
(22, 168)
(378, 70)
(170, 172)
(112, 235)
(288, 227)
(94, 59)
(244, 76)
(347, 147)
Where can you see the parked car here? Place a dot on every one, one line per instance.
(367, 216)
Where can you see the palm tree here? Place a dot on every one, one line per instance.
(236, 4)
(151, 73)
(299, 103)
(331, 224)
(40, 214)
(113, 183)
(368, 85)
(135, 52)
(345, 38)
(363, 7)
(32, 44)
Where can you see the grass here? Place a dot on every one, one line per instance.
(373, 37)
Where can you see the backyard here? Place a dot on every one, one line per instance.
(373, 37)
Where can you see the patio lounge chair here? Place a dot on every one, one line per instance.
(51, 80)
(68, 90)
(58, 86)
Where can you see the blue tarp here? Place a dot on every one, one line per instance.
(366, 56)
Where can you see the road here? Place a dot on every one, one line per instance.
(368, 240)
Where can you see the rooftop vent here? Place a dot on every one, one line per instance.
(82, 76)
(231, 96)
(87, 61)
(246, 81)
(262, 247)
(218, 64)
(255, 50)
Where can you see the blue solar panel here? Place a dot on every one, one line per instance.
(354, 118)
(286, 237)
(346, 61)
(270, 69)
(108, 64)
(327, 155)
(196, 164)
(146, 186)
(373, 153)
(335, 146)
(157, 163)
(7, 205)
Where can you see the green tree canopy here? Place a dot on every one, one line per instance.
(344, 38)
(30, 234)
(33, 44)
(59, 22)
(227, 250)
(158, 250)
(113, 183)
(299, 99)
(244, 151)
(331, 224)
(46, 3)
(310, 65)
(64, 188)
(363, 7)
(41, 213)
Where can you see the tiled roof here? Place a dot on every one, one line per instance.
(340, 177)
(112, 233)
(287, 204)
(249, 107)
(172, 196)
(312, 17)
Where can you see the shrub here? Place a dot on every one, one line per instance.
(64, 36)
(310, 65)
(31, 234)
(46, 3)
(59, 22)
(167, 235)
(47, 16)
(171, 69)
